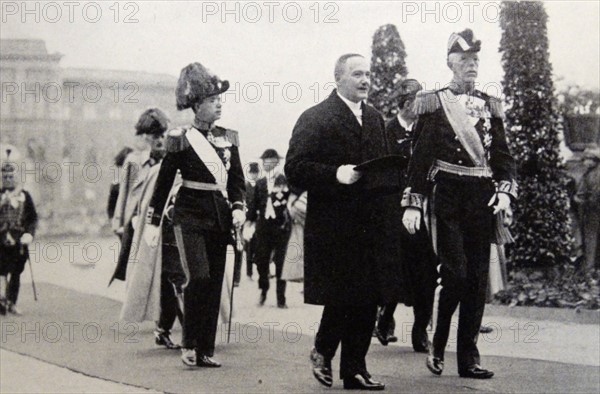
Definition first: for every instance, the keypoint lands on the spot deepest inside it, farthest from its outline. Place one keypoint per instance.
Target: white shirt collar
(405, 125)
(354, 107)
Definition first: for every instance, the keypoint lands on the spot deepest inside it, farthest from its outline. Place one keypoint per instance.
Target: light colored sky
(289, 44)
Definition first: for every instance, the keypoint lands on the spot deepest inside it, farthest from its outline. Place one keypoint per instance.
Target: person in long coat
(343, 246)
(418, 258)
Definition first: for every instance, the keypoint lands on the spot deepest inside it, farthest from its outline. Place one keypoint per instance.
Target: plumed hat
(152, 121)
(9, 156)
(197, 83)
(463, 41)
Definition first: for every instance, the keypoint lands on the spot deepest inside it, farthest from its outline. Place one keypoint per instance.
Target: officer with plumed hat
(18, 221)
(209, 204)
(462, 167)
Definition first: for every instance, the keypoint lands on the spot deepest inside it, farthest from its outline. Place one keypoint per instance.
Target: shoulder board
(230, 135)
(496, 107)
(494, 103)
(176, 140)
(427, 101)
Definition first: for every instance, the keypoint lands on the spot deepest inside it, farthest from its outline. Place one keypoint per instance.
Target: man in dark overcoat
(343, 249)
(418, 257)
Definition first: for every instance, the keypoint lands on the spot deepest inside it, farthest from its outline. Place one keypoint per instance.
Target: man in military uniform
(268, 211)
(208, 205)
(417, 254)
(18, 220)
(462, 164)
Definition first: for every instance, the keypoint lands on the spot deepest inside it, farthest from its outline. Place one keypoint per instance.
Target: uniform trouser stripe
(182, 254)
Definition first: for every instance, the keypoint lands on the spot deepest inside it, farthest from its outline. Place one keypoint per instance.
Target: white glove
(503, 202)
(347, 175)
(239, 217)
(412, 220)
(151, 233)
(26, 239)
(248, 231)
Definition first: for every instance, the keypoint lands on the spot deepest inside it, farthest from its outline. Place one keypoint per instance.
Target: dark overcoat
(350, 259)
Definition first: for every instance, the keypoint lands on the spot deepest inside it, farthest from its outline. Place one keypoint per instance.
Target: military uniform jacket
(17, 216)
(401, 142)
(437, 140)
(202, 209)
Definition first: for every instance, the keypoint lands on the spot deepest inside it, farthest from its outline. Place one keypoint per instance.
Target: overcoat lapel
(344, 115)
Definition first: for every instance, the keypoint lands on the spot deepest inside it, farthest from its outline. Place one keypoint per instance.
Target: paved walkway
(274, 342)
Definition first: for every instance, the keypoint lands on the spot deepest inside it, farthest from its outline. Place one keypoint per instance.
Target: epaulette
(233, 137)
(494, 103)
(176, 140)
(496, 107)
(427, 101)
(230, 135)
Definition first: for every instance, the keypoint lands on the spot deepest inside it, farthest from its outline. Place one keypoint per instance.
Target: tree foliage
(388, 68)
(542, 232)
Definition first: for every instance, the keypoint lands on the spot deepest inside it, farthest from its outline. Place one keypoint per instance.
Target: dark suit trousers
(169, 308)
(419, 259)
(250, 248)
(202, 296)
(271, 239)
(353, 327)
(464, 233)
(12, 261)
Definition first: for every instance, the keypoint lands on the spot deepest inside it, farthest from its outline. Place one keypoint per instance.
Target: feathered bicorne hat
(463, 41)
(9, 155)
(197, 83)
(152, 121)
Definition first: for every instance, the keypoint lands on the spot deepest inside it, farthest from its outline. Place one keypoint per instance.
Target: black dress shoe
(485, 329)
(476, 372)
(435, 365)
(383, 338)
(282, 306)
(392, 338)
(207, 362)
(321, 368)
(162, 338)
(262, 299)
(362, 382)
(423, 347)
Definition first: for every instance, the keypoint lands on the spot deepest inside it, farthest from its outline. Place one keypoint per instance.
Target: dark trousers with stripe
(352, 326)
(202, 296)
(463, 231)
